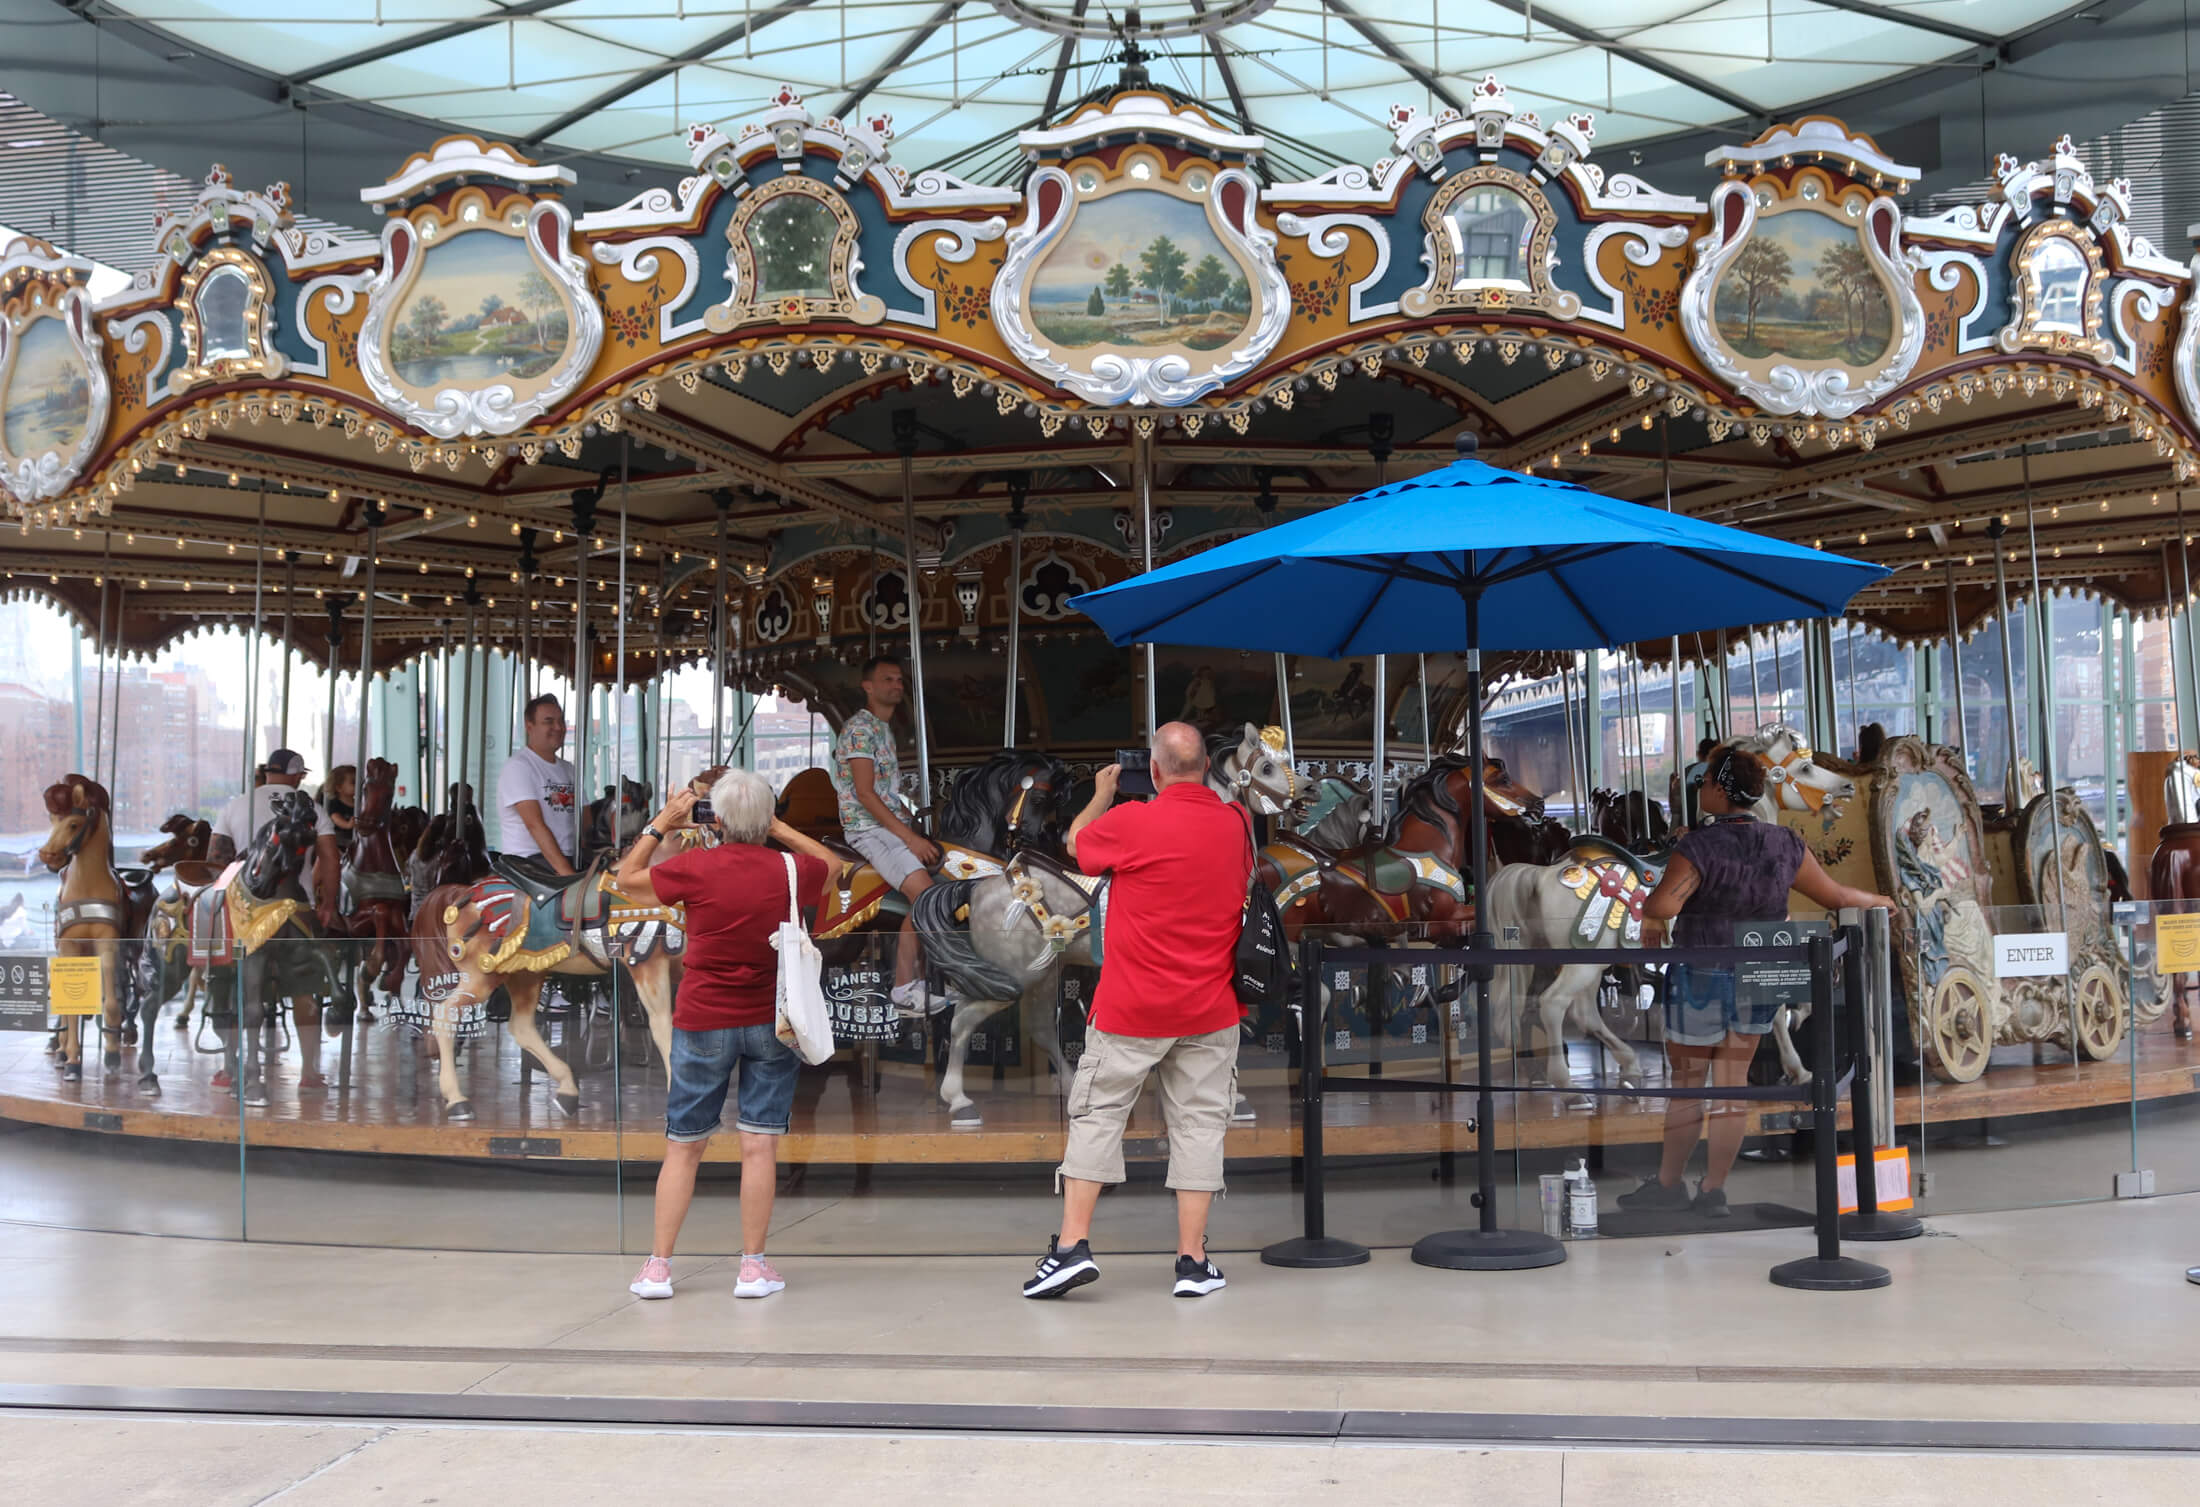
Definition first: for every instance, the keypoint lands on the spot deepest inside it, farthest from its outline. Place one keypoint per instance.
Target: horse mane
(61, 797)
(1428, 798)
(978, 801)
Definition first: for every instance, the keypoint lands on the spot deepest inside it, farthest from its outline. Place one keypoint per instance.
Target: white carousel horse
(1594, 899)
(1002, 940)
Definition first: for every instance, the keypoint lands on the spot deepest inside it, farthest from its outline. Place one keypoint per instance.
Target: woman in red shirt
(735, 895)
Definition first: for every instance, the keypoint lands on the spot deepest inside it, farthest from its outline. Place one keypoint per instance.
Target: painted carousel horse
(97, 907)
(633, 811)
(375, 888)
(451, 848)
(512, 929)
(163, 963)
(260, 941)
(1016, 801)
(1397, 885)
(2173, 874)
(1002, 939)
(1593, 898)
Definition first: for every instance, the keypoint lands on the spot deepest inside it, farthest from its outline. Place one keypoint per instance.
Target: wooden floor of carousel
(389, 1104)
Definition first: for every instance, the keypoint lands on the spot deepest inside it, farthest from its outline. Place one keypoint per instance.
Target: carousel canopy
(1317, 78)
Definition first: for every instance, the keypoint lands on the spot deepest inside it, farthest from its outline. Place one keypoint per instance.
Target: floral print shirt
(863, 736)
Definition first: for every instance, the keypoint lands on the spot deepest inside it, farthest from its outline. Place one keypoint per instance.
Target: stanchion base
(1881, 1225)
(2192, 1275)
(1488, 1250)
(1314, 1252)
(1841, 1274)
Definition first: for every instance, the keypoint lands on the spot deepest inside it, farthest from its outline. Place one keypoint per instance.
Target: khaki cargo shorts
(1198, 1076)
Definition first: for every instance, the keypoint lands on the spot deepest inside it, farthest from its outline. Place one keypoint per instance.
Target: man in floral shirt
(865, 770)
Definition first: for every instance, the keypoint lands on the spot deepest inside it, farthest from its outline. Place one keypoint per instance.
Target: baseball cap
(285, 761)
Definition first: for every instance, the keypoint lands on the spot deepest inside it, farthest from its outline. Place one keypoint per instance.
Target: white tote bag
(805, 1021)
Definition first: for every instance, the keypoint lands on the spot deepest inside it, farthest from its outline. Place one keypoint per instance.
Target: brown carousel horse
(374, 886)
(95, 909)
(451, 847)
(1408, 882)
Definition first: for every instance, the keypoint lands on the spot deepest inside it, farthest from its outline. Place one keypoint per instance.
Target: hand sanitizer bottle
(1581, 1202)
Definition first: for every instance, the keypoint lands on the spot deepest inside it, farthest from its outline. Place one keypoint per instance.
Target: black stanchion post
(1829, 1270)
(1316, 1247)
(1869, 1222)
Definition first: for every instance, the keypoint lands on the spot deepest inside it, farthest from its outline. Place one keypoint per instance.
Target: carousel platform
(389, 1106)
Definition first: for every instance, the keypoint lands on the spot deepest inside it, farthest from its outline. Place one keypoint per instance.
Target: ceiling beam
(1635, 55)
(900, 55)
(429, 38)
(1344, 12)
(634, 83)
(1916, 22)
(1062, 58)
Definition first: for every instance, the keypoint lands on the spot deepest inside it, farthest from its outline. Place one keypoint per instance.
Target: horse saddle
(861, 893)
(959, 862)
(1593, 849)
(1610, 884)
(1387, 874)
(209, 943)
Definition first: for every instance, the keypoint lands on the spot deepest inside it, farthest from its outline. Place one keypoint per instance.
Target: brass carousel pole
(1676, 799)
(449, 775)
(905, 441)
(114, 739)
(480, 781)
(465, 709)
(1996, 531)
(2044, 658)
(1962, 739)
(1019, 488)
(618, 647)
(252, 648)
(2192, 637)
(99, 690)
(1265, 502)
(584, 525)
(366, 632)
(335, 655)
(718, 633)
(290, 592)
(2175, 788)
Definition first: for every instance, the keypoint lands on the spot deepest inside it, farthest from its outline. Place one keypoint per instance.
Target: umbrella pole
(1486, 1247)
(1382, 742)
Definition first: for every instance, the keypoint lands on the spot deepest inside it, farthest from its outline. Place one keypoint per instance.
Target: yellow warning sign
(73, 984)
(2176, 944)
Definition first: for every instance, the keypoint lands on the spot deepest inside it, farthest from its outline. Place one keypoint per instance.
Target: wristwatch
(651, 832)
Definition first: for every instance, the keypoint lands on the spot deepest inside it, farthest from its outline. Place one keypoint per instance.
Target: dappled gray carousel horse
(1003, 939)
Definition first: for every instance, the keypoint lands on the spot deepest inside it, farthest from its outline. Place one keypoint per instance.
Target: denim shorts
(704, 1065)
(1701, 1008)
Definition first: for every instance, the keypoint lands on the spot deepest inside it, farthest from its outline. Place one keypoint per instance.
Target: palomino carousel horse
(1001, 939)
(261, 943)
(1593, 900)
(511, 929)
(374, 885)
(96, 908)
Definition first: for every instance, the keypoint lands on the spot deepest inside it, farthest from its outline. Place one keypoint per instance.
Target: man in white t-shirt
(234, 831)
(535, 792)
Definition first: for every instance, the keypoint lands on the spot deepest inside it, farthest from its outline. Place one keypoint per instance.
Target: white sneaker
(916, 998)
(758, 1279)
(654, 1280)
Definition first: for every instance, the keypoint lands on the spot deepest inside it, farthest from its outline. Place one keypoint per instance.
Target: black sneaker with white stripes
(1060, 1270)
(1196, 1279)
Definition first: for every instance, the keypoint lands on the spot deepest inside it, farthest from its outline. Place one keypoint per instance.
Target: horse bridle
(83, 835)
(1779, 777)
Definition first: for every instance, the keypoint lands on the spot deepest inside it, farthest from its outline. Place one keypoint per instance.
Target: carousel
(807, 405)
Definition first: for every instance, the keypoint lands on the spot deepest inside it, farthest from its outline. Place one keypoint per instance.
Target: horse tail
(948, 947)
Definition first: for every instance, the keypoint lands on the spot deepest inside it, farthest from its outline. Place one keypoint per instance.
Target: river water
(22, 874)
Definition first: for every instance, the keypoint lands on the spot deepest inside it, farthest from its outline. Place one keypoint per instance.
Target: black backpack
(1262, 967)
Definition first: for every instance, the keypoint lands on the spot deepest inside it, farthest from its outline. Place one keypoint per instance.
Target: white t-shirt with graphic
(528, 776)
(249, 811)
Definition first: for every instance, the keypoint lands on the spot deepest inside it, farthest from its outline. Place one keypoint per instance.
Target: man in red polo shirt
(1166, 1004)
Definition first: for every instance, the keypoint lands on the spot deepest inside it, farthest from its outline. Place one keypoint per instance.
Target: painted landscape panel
(480, 311)
(49, 396)
(1139, 268)
(1803, 287)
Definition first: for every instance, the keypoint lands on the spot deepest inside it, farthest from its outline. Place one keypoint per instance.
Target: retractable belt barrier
(1826, 1270)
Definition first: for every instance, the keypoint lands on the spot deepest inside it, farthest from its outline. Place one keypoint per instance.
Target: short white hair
(742, 802)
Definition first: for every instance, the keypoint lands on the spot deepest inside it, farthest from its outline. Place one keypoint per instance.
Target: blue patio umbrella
(1472, 557)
